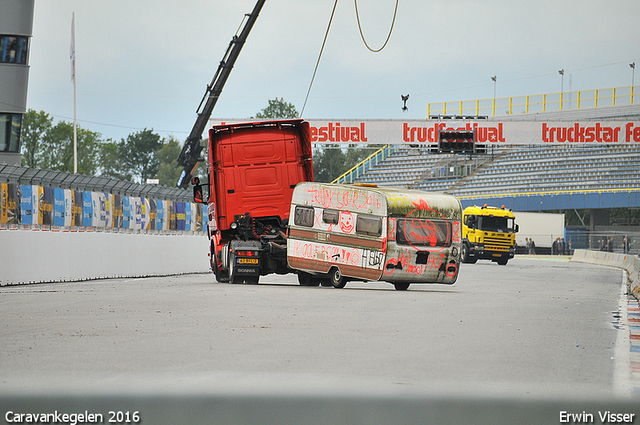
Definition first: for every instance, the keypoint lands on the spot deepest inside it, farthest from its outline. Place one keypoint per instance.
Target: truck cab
(489, 233)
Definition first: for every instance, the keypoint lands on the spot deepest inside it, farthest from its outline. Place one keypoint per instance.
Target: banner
(493, 131)
(87, 209)
(76, 209)
(10, 203)
(29, 204)
(58, 207)
(45, 206)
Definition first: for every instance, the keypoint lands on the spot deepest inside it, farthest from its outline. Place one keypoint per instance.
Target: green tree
(278, 109)
(328, 163)
(168, 170)
(331, 161)
(138, 155)
(51, 146)
(109, 161)
(35, 126)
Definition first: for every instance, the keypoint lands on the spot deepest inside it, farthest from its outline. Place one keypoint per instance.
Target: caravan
(339, 233)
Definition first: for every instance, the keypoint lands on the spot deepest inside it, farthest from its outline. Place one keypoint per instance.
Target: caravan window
(330, 216)
(423, 232)
(303, 216)
(369, 225)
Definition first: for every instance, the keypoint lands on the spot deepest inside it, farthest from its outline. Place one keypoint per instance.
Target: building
(16, 24)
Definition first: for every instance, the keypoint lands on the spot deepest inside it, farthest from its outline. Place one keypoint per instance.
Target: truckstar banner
(488, 132)
(415, 132)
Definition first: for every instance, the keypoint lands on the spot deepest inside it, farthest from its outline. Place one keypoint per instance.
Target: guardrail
(543, 193)
(371, 161)
(629, 263)
(37, 199)
(538, 103)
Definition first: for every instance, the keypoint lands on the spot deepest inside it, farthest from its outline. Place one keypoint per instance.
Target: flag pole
(72, 55)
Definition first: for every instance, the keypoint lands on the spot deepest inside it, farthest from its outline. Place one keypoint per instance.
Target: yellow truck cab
(488, 233)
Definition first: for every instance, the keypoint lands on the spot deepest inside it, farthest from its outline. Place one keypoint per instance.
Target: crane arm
(191, 150)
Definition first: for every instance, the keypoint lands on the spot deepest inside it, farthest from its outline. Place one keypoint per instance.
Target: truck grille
(497, 243)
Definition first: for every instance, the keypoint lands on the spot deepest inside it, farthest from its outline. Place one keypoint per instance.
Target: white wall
(37, 256)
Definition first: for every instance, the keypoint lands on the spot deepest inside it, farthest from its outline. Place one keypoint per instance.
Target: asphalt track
(533, 327)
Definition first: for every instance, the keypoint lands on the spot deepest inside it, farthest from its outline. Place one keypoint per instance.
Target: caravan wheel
(336, 278)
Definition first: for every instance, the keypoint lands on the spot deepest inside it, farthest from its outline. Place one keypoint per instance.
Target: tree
(51, 146)
(331, 161)
(138, 155)
(328, 163)
(278, 109)
(35, 126)
(168, 171)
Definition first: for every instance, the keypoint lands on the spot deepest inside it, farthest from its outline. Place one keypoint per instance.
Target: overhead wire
(393, 22)
(319, 56)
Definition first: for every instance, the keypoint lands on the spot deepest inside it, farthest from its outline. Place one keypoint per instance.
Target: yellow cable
(390, 29)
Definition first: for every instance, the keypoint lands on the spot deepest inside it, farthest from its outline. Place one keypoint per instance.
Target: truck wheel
(221, 276)
(336, 278)
(403, 286)
(465, 255)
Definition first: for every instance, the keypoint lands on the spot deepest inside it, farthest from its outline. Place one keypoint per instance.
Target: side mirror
(517, 228)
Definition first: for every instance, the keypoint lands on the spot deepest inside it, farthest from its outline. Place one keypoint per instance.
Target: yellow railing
(538, 103)
(551, 192)
(365, 165)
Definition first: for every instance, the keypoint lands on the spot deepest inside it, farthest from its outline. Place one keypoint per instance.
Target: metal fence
(37, 199)
(539, 103)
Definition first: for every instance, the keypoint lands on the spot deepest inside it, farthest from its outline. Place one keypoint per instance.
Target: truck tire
(336, 278)
(401, 286)
(465, 255)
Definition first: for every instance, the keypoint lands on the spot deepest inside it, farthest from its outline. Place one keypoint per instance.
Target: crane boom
(190, 154)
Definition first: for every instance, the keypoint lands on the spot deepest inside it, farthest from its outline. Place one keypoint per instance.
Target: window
(497, 224)
(423, 232)
(304, 216)
(367, 225)
(10, 125)
(13, 49)
(330, 216)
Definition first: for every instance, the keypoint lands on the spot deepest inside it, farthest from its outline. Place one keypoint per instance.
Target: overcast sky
(146, 63)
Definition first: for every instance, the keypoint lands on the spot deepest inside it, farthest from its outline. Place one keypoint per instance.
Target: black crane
(190, 154)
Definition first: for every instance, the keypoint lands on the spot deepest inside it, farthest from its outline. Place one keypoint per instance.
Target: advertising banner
(29, 204)
(188, 223)
(87, 209)
(58, 207)
(160, 215)
(10, 201)
(426, 131)
(126, 212)
(45, 202)
(487, 132)
(153, 214)
(180, 216)
(76, 209)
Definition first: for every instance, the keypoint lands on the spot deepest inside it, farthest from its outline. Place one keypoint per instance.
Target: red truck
(253, 169)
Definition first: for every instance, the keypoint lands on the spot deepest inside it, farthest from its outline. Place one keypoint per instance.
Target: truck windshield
(497, 224)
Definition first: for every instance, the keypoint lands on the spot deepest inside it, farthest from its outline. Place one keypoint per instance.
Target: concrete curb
(628, 262)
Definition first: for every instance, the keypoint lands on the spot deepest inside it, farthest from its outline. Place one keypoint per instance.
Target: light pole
(495, 81)
(561, 72)
(633, 79)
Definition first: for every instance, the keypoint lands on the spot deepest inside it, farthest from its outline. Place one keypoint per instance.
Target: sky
(146, 63)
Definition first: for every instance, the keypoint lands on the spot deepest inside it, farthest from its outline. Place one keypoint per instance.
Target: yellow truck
(488, 233)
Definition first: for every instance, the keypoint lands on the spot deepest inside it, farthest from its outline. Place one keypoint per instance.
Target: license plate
(247, 261)
(497, 255)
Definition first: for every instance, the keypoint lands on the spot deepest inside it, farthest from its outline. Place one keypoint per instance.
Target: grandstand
(591, 177)
(519, 169)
